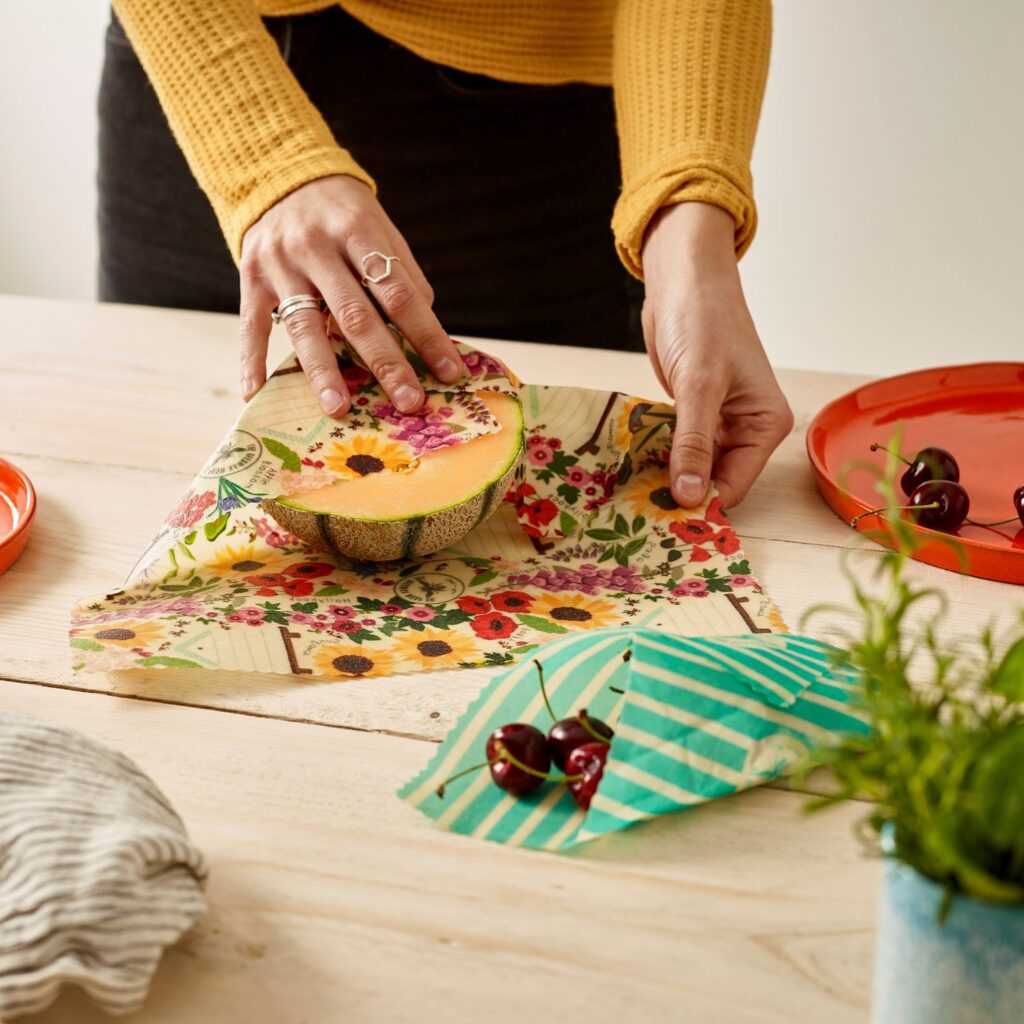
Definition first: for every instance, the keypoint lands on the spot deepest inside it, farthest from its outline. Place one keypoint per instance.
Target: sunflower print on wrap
(352, 660)
(240, 558)
(649, 494)
(436, 648)
(364, 454)
(576, 610)
(125, 633)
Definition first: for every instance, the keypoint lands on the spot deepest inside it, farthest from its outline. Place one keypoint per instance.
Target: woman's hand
(312, 241)
(730, 413)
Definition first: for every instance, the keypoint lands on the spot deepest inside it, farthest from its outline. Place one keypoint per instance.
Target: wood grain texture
(330, 899)
(333, 901)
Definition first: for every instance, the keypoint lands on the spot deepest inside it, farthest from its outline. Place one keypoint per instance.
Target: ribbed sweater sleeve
(689, 77)
(249, 132)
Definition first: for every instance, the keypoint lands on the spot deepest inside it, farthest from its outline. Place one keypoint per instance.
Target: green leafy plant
(943, 760)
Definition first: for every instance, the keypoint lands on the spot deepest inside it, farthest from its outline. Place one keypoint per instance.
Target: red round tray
(974, 411)
(17, 507)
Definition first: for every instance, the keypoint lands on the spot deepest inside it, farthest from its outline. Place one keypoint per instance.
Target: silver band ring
(384, 274)
(293, 304)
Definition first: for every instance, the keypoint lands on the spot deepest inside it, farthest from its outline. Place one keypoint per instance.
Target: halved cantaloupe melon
(388, 515)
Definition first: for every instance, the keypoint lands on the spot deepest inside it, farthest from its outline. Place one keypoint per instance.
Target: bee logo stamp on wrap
(429, 588)
(239, 451)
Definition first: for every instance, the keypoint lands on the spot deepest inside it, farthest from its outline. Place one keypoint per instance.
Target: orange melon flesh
(406, 513)
(442, 477)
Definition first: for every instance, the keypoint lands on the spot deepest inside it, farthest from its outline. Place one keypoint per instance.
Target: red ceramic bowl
(17, 508)
(977, 413)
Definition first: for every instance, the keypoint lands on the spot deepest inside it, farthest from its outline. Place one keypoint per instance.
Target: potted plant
(943, 767)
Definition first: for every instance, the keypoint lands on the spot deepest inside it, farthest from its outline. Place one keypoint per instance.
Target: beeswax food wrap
(589, 537)
(695, 718)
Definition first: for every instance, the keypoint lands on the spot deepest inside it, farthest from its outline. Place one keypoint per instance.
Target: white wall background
(889, 171)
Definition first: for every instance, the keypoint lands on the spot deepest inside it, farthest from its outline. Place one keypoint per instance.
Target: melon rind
(388, 540)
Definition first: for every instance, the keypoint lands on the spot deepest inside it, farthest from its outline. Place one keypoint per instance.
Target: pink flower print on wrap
(588, 579)
(273, 535)
(422, 432)
(540, 454)
(479, 364)
(743, 581)
(296, 483)
(420, 614)
(691, 588)
(190, 510)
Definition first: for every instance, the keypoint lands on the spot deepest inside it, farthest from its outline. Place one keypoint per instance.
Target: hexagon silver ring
(369, 278)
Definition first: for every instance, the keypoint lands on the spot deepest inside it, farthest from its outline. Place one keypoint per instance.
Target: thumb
(693, 442)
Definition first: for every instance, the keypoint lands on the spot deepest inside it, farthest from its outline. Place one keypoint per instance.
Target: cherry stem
(585, 722)
(1002, 522)
(893, 508)
(881, 447)
(544, 690)
(465, 771)
(504, 754)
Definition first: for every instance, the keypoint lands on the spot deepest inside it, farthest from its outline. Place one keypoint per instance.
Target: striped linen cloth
(695, 718)
(97, 874)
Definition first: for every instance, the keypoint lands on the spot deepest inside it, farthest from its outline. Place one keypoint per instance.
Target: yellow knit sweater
(688, 77)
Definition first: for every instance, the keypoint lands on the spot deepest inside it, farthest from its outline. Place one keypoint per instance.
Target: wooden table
(330, 900)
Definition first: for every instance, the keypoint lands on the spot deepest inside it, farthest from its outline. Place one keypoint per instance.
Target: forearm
(247, 129)
(689, 79)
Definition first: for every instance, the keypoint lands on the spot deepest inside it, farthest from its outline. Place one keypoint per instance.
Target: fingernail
(690, 488)
(331, 401)
(448, 370)
(407, 397)
(249, 387)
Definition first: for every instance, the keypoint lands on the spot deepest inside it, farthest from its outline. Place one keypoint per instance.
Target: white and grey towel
(97, 874)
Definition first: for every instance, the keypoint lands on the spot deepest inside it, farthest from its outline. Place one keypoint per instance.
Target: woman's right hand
(311, 242)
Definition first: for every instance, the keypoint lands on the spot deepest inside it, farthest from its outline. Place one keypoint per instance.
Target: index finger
(406, 306)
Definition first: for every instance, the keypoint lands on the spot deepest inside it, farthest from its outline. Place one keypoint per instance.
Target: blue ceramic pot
(968, 970)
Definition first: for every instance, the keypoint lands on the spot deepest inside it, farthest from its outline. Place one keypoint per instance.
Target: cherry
(940, 504)
(1018, 503)
(937, 504)
(568, 734)
(517, 756)
(584, 768)
(929, 463)
(520, 743)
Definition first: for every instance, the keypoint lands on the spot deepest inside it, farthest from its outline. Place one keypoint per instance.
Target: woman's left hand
(730, 412)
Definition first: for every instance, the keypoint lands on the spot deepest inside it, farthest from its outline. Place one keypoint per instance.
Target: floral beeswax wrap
(695, 718)
(588, 537)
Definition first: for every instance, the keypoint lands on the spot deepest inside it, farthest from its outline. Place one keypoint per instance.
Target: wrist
(691, 239)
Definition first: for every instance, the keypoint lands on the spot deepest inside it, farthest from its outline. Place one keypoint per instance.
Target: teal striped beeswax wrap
(696, 718)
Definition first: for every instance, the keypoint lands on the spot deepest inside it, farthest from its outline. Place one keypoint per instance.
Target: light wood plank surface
(333, 901)
(330, 899)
